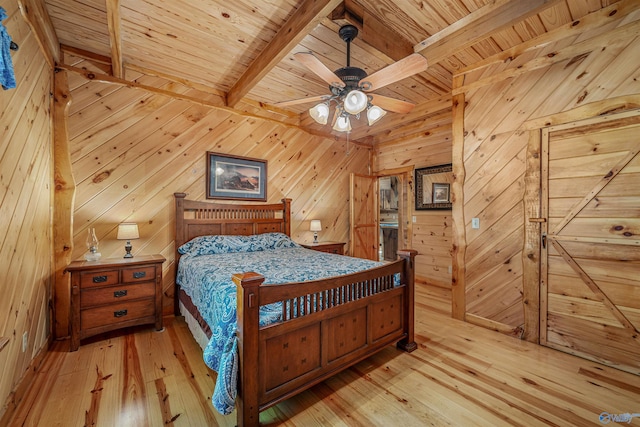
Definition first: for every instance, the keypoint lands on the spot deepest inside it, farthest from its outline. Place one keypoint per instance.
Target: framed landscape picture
(236, 178)
(433, 187)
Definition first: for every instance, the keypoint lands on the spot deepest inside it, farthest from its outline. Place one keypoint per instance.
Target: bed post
(286, 213)
(179, 198)
(248, 306)
(408, 344)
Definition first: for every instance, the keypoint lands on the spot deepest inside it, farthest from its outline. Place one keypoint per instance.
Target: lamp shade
(374, 114)
(343, 124)
(128, 231)
(316, 225)
(320, 113)
(355, 102)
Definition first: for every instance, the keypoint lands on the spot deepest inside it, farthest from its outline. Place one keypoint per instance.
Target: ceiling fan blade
(412, 64)
(391, 104)
(311, 62)
(317, 98)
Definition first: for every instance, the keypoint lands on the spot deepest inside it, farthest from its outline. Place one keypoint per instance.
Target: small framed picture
(440, 192)
(236, 178)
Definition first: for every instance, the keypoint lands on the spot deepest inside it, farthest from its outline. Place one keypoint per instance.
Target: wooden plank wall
(131, 149)
(428, 145)
(25, 201)
(595, 59)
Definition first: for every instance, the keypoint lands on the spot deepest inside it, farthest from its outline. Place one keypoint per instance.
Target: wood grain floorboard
(461, 375)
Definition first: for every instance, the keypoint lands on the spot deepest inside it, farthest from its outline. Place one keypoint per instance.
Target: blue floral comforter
(204, 273)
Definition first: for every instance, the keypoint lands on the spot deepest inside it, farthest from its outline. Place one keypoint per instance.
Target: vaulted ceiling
(241, 51)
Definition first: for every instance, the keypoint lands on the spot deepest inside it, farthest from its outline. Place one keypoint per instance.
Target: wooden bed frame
(346, 319)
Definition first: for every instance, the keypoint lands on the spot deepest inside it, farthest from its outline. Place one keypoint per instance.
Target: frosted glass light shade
(343, 124)
(355, 102)
(374, 113)
(320, 113)
(128, 231)
(316, 225)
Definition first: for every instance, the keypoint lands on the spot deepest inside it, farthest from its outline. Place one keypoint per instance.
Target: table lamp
(128, 231)
(316, 226)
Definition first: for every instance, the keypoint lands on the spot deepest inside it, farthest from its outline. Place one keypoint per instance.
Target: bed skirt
(196, 324)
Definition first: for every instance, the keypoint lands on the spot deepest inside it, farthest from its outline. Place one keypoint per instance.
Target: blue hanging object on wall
(7, 76)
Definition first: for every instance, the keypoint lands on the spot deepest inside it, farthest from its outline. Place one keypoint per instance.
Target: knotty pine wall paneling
(25, 210)
(131, 149)
(503, 93)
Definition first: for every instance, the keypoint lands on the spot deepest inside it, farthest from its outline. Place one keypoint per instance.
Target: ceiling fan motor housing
(351, 77)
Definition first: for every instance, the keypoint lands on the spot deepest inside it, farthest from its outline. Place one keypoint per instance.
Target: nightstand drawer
(115, 294)
(139, 274)
(99, 278)
(116, 313)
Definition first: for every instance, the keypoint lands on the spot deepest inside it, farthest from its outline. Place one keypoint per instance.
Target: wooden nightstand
(331, 247)
(114, 293)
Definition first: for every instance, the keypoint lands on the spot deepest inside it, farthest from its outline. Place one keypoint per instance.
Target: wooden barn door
(590, 264)
(364, 216)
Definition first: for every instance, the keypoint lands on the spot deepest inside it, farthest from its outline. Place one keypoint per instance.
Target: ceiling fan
(351, 87)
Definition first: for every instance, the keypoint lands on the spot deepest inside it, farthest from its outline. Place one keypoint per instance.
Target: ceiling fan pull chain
(348, 147)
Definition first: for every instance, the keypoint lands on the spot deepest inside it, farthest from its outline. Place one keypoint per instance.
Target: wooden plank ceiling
(241, 51)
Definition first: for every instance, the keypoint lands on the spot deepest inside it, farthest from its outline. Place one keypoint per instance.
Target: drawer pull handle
(118, 294)
(139, 274)
(99, 279)
(120, 313)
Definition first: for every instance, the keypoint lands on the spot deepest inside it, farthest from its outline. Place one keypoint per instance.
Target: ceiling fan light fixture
(374, 113)
(343, 124)
(320, 113)
(355, 102)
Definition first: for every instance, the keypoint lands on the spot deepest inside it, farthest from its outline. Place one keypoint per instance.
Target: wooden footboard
(328, 326)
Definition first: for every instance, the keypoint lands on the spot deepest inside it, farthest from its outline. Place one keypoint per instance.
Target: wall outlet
(25, 341)
(475, 222)
(414, 218)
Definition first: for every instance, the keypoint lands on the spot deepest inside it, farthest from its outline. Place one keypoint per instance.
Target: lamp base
(128, 248)
(92, 256)
(315, 237)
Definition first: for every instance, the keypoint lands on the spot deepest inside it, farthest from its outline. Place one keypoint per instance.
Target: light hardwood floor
(461, 375)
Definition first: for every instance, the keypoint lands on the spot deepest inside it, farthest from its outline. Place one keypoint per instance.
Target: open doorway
(393, 215)
(388, 186)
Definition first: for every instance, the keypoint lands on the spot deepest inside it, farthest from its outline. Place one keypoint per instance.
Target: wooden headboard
(195, 218)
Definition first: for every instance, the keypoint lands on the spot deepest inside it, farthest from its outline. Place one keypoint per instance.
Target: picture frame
(236, 178)
(440, 192)
(433, 187)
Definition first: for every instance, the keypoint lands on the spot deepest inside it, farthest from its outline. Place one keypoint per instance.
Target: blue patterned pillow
(272, 241)
(219, 244)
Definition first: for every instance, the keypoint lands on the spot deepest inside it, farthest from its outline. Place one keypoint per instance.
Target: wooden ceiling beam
(91, 56)
(34, 12)
(372, 31)
(479, 25)
(197, 86)
(115, 40)
(303, 20)
(599, 18)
